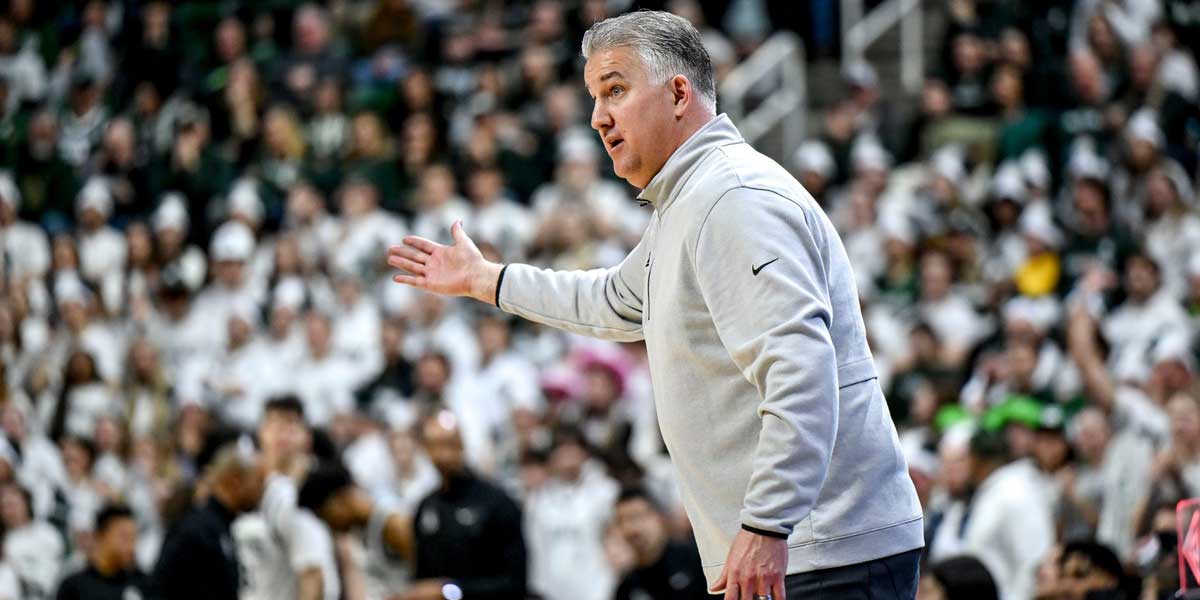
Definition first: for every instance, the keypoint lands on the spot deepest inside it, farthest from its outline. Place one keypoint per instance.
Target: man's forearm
(311, 584)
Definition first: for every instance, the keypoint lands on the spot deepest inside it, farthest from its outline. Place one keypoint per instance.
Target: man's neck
(654, 555)
(105, 565)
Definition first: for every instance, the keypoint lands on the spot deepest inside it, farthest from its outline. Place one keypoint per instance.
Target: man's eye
(616, 91)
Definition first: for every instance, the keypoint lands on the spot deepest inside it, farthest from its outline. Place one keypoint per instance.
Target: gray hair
(667, 44)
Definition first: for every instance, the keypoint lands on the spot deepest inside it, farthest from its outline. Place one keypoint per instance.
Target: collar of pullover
(662, 188)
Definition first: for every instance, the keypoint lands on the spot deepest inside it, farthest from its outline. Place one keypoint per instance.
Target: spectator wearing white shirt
(101, 248)
(36, 460)
(815, 169)
(1172, 225)
(324, 380)
(1148, 314)
(497, 219)
(84, 328)
(32, 546)
(365, 230)
(565, 522)
(26, 250)
(233, 284)
(306, 218)
(1008, 525)
(234, 380)
(244, 204)
(284, 339)
(356, 324)
(438, 204)
(285, 551)
(578, 188)
(171, 224)
(951, 316)
(486, 400)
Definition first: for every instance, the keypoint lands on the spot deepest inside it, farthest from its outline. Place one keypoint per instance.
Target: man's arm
(761, 264)
(604, 303)
(311, 585)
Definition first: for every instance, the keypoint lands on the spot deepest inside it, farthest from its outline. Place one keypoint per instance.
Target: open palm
(455, 270)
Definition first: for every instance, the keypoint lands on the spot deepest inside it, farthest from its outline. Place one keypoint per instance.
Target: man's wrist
(487, 283)
(763, 532)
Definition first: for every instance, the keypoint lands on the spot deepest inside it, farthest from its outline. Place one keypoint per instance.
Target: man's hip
(889, 578)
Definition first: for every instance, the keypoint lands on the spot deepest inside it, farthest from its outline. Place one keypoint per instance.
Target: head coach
(766, 393)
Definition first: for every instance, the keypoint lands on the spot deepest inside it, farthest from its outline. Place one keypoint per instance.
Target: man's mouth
(612, 144)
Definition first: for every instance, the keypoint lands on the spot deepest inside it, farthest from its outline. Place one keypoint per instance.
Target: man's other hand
(456, 270)
(755, 566)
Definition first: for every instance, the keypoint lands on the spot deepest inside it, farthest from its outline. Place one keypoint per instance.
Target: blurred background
(197, 196)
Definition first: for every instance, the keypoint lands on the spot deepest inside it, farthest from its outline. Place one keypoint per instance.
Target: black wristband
(774, 534)
(499, 282)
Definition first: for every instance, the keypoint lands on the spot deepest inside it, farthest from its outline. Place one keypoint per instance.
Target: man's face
(633, 115)
(641, 526)
(119, 541)
(282, 433)
(444, 446)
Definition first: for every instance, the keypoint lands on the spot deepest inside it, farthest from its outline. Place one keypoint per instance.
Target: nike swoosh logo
(755, 269)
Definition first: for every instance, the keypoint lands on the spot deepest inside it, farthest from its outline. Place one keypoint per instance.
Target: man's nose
(601, 118)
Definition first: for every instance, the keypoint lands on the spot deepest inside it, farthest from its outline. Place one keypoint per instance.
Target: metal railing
(776, 69)
(859, 31)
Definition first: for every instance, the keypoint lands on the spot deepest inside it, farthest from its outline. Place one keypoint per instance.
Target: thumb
(456, 231)
(720, 583)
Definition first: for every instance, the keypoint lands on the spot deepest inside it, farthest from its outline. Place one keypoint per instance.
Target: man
(330, 493)
(199, 559)
(284, 552)
(565, 519)
(1006, 524)
(467, 533)
(662, 568)
(788, 459)
(112, 572)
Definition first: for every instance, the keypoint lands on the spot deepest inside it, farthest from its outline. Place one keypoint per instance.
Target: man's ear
(681, 91)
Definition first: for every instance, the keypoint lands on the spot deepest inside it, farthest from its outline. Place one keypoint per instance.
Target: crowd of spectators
(196, 200)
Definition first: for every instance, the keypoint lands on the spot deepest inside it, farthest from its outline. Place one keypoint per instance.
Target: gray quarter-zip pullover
(763, 382)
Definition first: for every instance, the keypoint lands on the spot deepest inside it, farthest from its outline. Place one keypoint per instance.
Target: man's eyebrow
(611, 75)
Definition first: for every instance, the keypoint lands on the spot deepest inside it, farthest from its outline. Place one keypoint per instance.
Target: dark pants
(888, 578)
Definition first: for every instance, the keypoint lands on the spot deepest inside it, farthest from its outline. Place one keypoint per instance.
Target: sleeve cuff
(500, 282)
(773, 534)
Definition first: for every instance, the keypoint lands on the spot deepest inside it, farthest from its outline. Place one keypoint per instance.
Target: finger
(420, 243)
(778, 589)
(456, 231)
(413, 280)
(719, 585)
(731, 590)
(409, 253)
(399, 262)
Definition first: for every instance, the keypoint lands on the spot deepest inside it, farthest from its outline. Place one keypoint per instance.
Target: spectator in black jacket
(111, 572)
(199, 558)
(663, 568)
(468, 532)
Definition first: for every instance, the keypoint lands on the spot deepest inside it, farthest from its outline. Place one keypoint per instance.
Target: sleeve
(278, 505)
(508, 579)
(311, 544)
(602, 303)
(761, 261)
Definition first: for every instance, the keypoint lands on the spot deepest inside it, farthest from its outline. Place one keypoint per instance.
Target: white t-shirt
(386, 573)
(278, 541)
(10, 586)
(35, 553)
(564, 524)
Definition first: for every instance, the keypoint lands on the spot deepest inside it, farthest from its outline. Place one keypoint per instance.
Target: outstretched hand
(456, 270)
